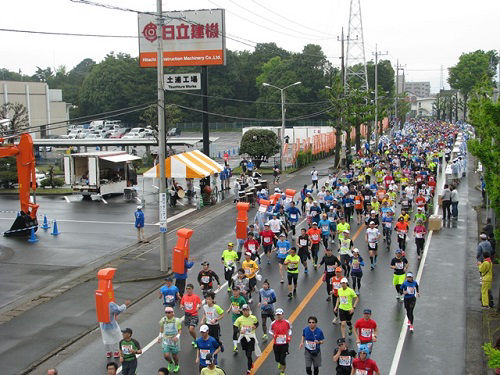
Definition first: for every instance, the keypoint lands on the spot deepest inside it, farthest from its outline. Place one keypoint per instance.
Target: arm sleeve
(273, 298)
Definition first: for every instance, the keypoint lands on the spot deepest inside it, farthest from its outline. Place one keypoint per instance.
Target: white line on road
(67, 199)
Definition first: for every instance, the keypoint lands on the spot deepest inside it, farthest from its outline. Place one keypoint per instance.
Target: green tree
(18, 116)
(259, 144)
(359, 110)
(173, 116)
(485, 117)
(43, 75)
(8, 172)
(470, 70)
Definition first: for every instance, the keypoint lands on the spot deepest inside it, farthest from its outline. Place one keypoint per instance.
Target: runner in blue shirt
(324, 224)
(410, 293)
(267, 298)
(312, 338)
(169, 293)
(206, 344)
(282, 248)
(293, 216)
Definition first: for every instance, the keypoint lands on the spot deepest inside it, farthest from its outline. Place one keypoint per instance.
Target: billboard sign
(186, 81)
(190, 38)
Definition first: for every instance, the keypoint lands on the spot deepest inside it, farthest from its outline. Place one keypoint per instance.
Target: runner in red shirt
(252, 245)
(335, 281)
(267, 237)
(358, 206)
(281, 329)
(364, 365)
(387, 180)
(191, 303)
(315, 236)
(366, 330)
(402, 231)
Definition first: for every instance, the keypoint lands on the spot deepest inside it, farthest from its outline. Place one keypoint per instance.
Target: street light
(282, 90)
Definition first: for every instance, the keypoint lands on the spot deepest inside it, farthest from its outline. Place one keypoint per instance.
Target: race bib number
(251, 247)
(410, 290)
(302, 242)
(313, 213)
(282, 250)
(345, 360)
(399, 266)
(246, 329)
(315, 237)
(235, 309)
(420, 235)
(371, 245)
(293, 216)
(366, 332)
(169, 298)
(325, 228)
(401, 235)
(310, 345)
(332, 219)
(355, 265)
(361, 372)
(204, 352)
(358, 202)
(330, 269)
(348, 204)
(388, 225)
(336, 285)
(344, 300)
(262, 208)
(267, 240)
(188, 305)
(127, 349)
(292, 266)
(248, 271)
(367, 197)
(205, 279)
(281, 339)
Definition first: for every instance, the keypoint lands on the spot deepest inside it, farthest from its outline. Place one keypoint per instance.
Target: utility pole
(377, 54)
(164, 259)
(355, 48)
(397, 92)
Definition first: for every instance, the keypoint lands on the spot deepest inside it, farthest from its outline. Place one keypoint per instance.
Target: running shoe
(290, 296)
(228, 289)
(279, 366)
(264, 337)
(235, 348)
(328, 299)
(350, 331)
(116, 354)
(170, 366)
(282, 281)
(305, 270)
(194, 344)
(109, 354)
(176, 368)
(411, 328)
(250, 300)
(295, 292)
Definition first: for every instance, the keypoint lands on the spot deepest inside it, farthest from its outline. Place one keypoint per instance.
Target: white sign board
(190, 38)
(163, 212)
(186, 81)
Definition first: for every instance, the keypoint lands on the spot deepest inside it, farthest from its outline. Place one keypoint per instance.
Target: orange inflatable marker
(290, 193)
(104, 293)
(242, 220)
(274, 198)
(263, 205)
(181, 250)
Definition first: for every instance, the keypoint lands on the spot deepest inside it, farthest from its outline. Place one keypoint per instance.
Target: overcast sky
(424, 35)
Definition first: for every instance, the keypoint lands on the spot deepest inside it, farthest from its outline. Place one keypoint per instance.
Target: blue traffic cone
(45, 224)
(33, 237)
(55, 232)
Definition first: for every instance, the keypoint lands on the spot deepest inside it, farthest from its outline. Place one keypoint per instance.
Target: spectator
(483, 247)
(486, 271)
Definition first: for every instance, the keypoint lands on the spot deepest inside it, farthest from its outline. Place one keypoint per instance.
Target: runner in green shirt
(229, 258)
(346, 303)
(129, 347)
(247, 324)
(170, 332)
(291, 262)
(237, 302)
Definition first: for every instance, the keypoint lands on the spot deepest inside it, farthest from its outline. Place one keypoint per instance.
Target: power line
(287, 19)
(67, 34)
(251, 101)
(272, 21)
(266, 27)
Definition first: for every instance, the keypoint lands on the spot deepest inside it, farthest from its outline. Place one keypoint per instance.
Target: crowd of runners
(389, 194)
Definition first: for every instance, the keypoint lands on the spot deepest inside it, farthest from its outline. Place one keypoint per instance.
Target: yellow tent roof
(192, 164)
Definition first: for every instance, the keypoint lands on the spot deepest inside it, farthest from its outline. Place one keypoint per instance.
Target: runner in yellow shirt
(250, 267)
(292, 261)
(345, 305)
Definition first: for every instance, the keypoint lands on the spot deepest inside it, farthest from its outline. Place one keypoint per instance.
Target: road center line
(298, 310)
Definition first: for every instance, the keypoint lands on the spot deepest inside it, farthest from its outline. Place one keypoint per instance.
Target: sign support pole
(204, 93)
(164, 260)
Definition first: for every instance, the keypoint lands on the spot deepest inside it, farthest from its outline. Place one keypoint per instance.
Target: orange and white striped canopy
(192, 164)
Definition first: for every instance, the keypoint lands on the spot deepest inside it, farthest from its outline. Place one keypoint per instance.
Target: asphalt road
(438, 322)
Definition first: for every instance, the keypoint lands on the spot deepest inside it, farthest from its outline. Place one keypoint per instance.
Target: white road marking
(67, 199)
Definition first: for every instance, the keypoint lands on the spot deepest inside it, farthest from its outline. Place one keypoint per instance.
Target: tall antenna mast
(355, 49)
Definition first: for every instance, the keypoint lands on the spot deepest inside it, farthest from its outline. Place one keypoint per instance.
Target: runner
(312, 338)
(341, 227)
(242, 283)
(372, 236)
(358, 206)
(267, 239)
(169, 293)
(315, 237)
(292, 267)
(346, 304)
(206, 277)
(387, 222)
(343, 356)
(302, 242)
(293, 216)
(213, 314)
(356, 263)
(334, 292)
(267, 298)
(364, 365)
(250, 268)
(402, 231)
(411, 292)
(324, 224)
(419, 231)
(169, 337)
(212, 368)
(191, 303)
(229, 259)
(251, 245)
(314, 179)
(129, 348)
(366, 330)
(206, 344)
(282, 246)
(281, 329)
(331, 262)
(247, 324)
(237, 302)
(399, 264)
(345, 252)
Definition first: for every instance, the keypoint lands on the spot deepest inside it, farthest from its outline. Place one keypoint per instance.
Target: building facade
(420, 89)
(44, 105)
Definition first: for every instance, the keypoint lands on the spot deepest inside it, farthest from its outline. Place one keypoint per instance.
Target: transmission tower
(355, 49)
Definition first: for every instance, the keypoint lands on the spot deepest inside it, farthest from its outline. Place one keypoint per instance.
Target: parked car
(93, 136)
(118, 133)
(133, 135)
